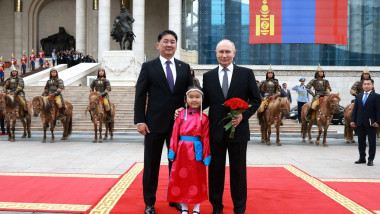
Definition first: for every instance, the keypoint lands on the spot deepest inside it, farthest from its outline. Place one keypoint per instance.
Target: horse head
(9, 101)
(47, 104)
(285, 106)
(37, 105)
(95, 102)
(333, 100)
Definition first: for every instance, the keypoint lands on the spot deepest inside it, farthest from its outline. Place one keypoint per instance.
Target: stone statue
(60, 41)
(122, 30)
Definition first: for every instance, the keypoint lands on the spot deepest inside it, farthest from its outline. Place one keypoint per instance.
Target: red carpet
(363, 191)
(271, 189)
(48, 192)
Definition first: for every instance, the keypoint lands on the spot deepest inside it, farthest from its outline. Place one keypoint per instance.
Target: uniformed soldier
(357, 88)
(15, 85)
(54, 86)
(271, 89)
(32, 58)
(322, 88)
(24, 62)
(103, 87)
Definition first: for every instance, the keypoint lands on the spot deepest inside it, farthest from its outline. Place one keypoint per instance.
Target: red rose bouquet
(236, 106)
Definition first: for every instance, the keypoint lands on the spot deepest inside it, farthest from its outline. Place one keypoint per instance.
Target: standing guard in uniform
(54, 86)
(15, 85)
(41, 56)
(24, 62)
(271, 90)
(357, 87)
(32, 59)
(322, 88)
(13, 62)
(103, 87)
(2, 69)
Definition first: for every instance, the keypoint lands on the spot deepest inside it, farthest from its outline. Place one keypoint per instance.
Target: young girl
(190, 150)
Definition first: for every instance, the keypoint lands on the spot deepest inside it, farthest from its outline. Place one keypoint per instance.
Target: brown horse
(44, 105)
(12, 107)
(348, 130)
(273, 115)
(95, 107)
(322, 117)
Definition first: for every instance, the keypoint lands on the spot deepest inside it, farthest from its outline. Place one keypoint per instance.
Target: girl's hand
(176, 113)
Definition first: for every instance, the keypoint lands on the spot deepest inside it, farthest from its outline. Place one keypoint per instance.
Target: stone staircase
(123, 98)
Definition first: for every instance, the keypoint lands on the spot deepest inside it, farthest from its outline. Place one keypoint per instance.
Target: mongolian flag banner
(298, 21)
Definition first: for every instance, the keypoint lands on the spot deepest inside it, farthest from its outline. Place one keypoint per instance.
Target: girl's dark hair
(194, 86)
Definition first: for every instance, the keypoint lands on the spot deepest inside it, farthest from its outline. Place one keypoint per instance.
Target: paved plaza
(80, 155)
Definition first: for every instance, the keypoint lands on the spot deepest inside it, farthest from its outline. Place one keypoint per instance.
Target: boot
(260, 117)
(26, 114)
(108, 116)
(308, 115)
(61, 113)
(33, 68)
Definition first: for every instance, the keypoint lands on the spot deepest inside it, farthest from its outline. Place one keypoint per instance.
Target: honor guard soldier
(357, 87)
(24, 62)
(15, 85)
(54, 87)
(322, 88)
(103, 87)
(2, 69)
(46, 64)
(13, 62)
(32, 59)
(271, 90)
(41, 56)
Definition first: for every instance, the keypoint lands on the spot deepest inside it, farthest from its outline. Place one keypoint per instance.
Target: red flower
(236, 106)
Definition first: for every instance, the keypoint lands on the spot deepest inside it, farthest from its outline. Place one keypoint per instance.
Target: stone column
(18, 29)
(104, 28)
(138, 29)
(80, 26)
(175, 22)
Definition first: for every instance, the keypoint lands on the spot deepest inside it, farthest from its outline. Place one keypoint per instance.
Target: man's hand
(352, 124)
(236, 120)
(375, 125)
(176, 113)
(143, 129)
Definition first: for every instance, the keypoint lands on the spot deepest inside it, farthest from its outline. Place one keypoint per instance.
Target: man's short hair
(166, 32)
(284, 83)
(370, 80)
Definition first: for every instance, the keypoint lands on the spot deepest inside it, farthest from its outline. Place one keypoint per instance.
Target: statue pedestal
(122, 68)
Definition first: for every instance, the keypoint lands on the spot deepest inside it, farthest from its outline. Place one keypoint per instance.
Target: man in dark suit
(220, 84)
(366, 118)
(286, 92)
(164, 81)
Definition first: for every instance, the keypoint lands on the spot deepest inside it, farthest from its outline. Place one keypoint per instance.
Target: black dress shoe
(370, 163)
(149, 210)
(217, 211)
(176, 205)
(360, 161)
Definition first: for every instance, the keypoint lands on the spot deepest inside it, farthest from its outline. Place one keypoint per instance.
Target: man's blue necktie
(365, 98)
(169, 75)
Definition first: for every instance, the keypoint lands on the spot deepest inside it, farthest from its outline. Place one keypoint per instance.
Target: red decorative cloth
(188, 178)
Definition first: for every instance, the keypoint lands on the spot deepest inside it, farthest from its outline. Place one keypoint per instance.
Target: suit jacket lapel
(161, 73)
(180, 73)
(234, 81)
(215, 79)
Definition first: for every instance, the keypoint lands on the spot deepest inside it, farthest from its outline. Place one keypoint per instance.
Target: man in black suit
(220, 84)
(366, 118)
(164, 81)
(286, 92)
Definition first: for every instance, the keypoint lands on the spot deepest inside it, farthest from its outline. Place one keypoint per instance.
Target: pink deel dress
(190, 150)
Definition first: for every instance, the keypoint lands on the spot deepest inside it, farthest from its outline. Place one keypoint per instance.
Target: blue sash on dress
(197, 145)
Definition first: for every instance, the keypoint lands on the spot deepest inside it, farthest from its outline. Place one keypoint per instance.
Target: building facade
(200, 24)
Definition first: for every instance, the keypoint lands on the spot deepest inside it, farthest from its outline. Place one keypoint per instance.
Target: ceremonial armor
(321, 86)
(270, 88)
(15, 85)
(101, 85)
(54, 86)
(357, 88)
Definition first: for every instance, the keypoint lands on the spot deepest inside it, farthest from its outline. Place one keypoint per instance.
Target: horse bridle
(96, 102)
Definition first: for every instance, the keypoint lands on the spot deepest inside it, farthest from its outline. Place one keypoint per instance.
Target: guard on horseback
(103, 87)
(15, 85)
(54, 87)
(271, 90)
(357, 87)
(322, 88)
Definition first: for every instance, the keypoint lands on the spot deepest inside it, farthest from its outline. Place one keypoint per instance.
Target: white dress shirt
(229, 74)
(172, 67)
